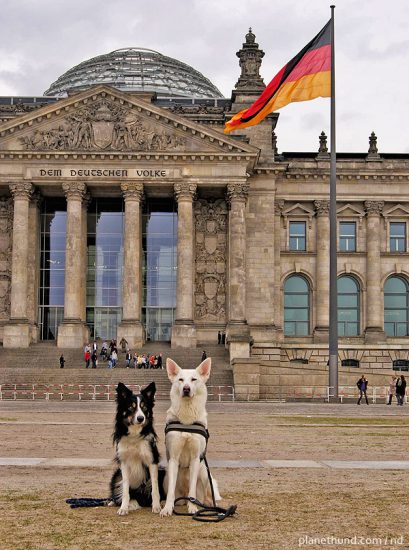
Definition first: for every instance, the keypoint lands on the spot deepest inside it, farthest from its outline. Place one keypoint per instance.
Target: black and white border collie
(136, 481)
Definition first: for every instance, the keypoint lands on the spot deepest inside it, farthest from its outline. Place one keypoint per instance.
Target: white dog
(187, 474)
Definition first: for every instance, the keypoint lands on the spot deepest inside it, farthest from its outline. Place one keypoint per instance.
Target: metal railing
(90, 392)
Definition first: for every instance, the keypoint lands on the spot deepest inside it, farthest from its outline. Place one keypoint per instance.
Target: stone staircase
(39, 366)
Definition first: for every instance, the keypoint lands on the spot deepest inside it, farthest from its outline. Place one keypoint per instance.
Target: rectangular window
(347, 237)
(397, 237)
(297, 236)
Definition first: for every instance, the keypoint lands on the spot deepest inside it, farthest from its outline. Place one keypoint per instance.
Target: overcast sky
(41, 39)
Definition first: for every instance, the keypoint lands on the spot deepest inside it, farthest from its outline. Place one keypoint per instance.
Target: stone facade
(237, 199)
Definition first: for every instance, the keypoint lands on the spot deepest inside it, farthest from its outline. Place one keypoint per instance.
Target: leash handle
(207, 513)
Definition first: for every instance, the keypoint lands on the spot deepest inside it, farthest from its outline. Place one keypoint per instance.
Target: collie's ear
(149, 391)
(122, 391)
(172, 368)
(204, 369)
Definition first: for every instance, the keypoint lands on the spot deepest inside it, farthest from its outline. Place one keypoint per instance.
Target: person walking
(114, 358)
(94, 359)
(204, 355)
(362, 386)
(160, 362)
(391, 390)
(124, 344)
(400, 389)
(62, 361)
(128, 359)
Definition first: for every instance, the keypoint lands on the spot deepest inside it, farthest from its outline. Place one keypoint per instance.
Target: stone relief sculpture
(210, 278)
(6, 227)
(103, 126)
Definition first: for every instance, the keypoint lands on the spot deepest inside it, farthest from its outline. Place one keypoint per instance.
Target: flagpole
(333, 294)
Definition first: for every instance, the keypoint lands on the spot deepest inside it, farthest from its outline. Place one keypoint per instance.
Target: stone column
(374, 308)
(131, 327)
(33, 267)
(321, 331)
(73, 332)
(17, 334)
(278, 311)
(183, 331)
(237, 328)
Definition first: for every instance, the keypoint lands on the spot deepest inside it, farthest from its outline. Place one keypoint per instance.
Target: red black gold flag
(307, 76)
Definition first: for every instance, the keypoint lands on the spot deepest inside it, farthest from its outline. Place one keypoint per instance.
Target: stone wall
(6, 228)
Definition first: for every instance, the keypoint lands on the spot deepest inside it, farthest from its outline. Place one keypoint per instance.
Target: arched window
(296, 306)
(348, 306)
(396, 306)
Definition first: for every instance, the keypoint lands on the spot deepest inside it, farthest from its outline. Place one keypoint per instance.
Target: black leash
(87, 502)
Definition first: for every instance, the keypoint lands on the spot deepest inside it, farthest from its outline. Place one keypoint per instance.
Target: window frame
(345, 308)
(293, 221)
(404, 238)
(308, 308)
(347, 237)
(406, 308)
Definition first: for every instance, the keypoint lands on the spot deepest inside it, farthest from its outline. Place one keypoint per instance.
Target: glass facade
(296, 306)
(348, 306)
(396, 307)
(105, 225)
(397, 237)
(297, 236)
(347, 237)
(159, 246)
(52, 266)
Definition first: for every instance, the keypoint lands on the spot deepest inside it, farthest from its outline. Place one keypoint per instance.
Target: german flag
(306, 76)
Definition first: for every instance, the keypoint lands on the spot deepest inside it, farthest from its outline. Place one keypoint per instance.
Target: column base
(238, 338)
(17, 334)
(133, 332)
(374, 335)
(183, 336)
(72, 334)
(321, 335)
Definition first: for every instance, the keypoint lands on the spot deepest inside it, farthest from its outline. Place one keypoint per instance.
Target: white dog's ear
(172, 368)
(204, 369)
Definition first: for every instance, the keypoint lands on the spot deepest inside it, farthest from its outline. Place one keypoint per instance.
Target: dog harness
(195, 428)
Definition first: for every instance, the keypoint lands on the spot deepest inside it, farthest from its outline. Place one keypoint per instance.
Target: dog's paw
(133, 505)
(123, 511)
(156, 509)
(166, 511)
(192, 508)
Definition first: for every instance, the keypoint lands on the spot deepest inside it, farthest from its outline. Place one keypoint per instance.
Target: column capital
(237, 192)
(322, 207)
(132, 190)
(74, 190)
(185, 190)
(374, 208)
(21, 190)
(279, 206)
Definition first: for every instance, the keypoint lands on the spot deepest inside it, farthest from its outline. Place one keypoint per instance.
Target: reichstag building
(126, 212)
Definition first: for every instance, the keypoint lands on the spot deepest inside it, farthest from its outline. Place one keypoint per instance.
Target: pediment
(397, 211)
(298, 210)
(350, 210)
(104, 119)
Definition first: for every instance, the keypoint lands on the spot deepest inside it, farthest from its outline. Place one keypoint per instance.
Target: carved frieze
(104, 125)
(6, 231)
(374, 208)
(210, 276)
(322, 207)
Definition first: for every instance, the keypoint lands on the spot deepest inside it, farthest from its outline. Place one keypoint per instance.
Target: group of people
(109, 354)
(397, 387)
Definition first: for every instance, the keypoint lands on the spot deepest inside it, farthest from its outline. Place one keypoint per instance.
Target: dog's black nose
(140, 419)
(186, 390)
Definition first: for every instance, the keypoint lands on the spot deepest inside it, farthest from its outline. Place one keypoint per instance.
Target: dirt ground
(277, 508)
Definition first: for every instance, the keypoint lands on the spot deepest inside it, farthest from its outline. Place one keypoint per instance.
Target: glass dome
(136, 69)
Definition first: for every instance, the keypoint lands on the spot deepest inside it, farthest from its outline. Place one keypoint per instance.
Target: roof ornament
(323, 148)
(250, 57)
(373, 148)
